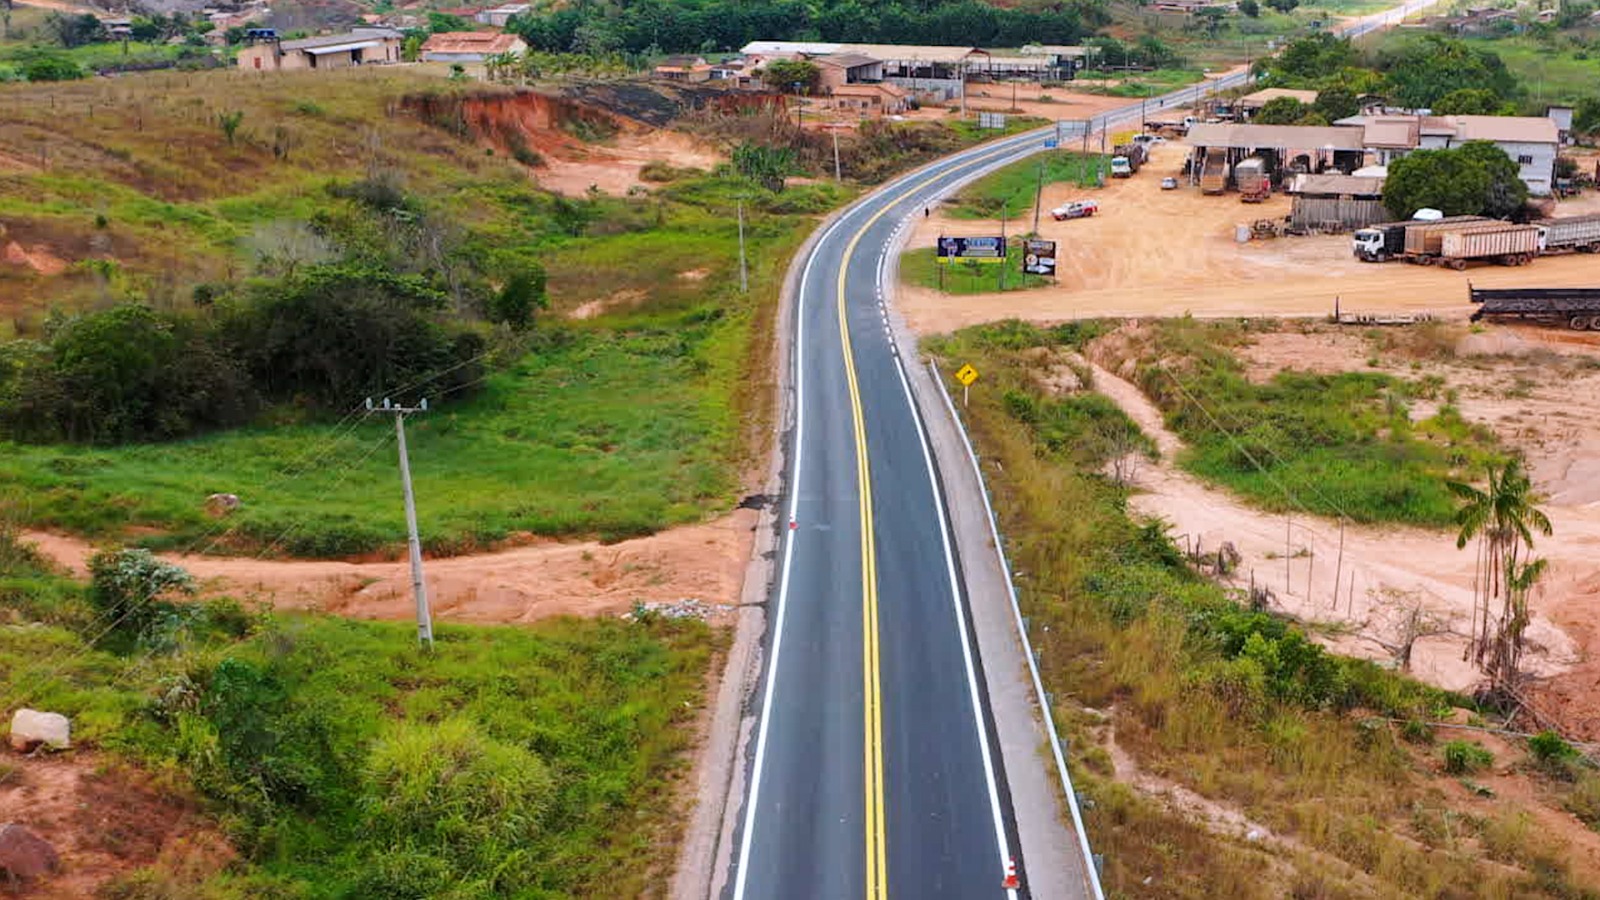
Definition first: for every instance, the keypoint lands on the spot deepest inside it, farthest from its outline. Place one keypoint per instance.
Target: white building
(1531, 142)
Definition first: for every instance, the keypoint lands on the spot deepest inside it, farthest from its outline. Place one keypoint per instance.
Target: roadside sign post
(1039, 258)
(966, 375)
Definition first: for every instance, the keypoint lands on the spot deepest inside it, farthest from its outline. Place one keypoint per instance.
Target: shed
(1334, 203)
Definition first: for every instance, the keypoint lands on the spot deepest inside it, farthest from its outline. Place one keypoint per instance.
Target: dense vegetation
(344, 761)
(1341, 444)
(1232, 703)
(1416, 73)
(1476, 178)
(677, 26)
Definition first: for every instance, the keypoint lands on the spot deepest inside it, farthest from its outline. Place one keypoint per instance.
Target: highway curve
(874, 769)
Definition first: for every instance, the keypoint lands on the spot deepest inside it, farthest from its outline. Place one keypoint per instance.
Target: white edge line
(751, 803)
(1027, 647)
(1002, 845)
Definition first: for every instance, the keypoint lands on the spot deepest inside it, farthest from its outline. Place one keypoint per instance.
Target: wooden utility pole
(837, 172)
(419, 588)
(744, 270)
(1038, 198)
(1005, 255)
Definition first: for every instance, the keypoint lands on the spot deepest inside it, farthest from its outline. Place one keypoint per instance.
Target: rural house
(684, 69)
(1532, 142)
(361, 47)
(470, 47)
(500, 15)
(839, 69)
(1250, 104)
(869, 100)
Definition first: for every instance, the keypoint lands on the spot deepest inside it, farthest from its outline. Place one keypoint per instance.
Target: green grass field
(1334, 444)
(1236, 705)
(342, 760)
(921, 267)
(1013, 187)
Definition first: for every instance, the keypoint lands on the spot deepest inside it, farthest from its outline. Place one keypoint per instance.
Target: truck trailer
(1578, 308)
(1250, 175)
(1504, 243)
(1387, 240)
(1572, 234)
(1424, 240)
(1214, 171)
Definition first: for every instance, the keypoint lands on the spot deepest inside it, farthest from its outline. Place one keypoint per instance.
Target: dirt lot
(1532, 390)
(571, 167)
(523, 584)
(1154, 252)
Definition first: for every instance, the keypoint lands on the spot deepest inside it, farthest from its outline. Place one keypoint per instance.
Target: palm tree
(1503, 518)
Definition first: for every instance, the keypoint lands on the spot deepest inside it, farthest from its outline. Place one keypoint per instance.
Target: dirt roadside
(1150, 252)
(1508, 379)
(524, 584)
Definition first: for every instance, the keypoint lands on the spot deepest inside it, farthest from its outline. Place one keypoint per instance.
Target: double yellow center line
(872, 689)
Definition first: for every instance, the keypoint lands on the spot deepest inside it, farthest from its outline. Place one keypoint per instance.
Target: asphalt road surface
(875, 770)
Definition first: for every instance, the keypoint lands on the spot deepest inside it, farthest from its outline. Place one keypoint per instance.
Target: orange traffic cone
(1011, 883)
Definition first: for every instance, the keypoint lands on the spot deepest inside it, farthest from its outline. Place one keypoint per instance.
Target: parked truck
(1570, 235)
(1214, 171)
(1386, 241)
(1128, 159)
(1578, 308)
(1501, 242)
(1253, 180)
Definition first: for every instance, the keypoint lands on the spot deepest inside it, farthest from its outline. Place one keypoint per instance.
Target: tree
(1437, 179)
(1506, 191)
(1210, 18)
(1335, 103)
(1503, 518)
(1281, 111)
(50, 67)
(1469, 102)
(785, 74)
(1250, 8)
(769, 166)
(1283, 6)
(75, 31)
(229, 122)
(439, 23)
(1586, 116)
(1308, 59)
(132, 590)
(1428, 68)
(515, 302)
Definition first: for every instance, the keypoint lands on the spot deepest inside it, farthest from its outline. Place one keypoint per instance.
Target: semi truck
(1250, 175)
(1570, 235)
(1425, 239)
(1499, 242)
(1386, 241)
(1578, 308)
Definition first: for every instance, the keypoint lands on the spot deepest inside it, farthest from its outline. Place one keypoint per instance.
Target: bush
(1549, 749)
(130, 591)
(1465, 757)
(50, 67)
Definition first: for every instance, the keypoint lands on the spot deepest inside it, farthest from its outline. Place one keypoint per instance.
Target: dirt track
(1151, 252)
(704, 562)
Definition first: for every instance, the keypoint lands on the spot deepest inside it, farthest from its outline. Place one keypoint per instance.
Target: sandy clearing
(704, 562)
(1151, 252)
(614, 167)
(1385, 571)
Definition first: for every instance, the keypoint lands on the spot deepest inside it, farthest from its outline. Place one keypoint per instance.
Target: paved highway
(875, 770)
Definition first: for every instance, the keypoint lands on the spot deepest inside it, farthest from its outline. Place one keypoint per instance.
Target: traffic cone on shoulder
(1011, 883)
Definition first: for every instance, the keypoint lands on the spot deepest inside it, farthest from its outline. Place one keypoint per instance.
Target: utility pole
(1005, 252)
(744, 271)
(838, 175)
(1038, 198)
(419, 588)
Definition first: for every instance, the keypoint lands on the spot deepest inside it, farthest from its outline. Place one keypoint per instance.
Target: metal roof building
(1283, 137)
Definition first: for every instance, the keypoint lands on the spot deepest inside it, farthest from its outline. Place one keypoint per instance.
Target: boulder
(31, 729)
(24, 856)
(222, 504)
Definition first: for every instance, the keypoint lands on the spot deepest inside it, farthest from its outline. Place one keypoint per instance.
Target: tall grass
(1235, 705)
(342, 760)
(1013, 187)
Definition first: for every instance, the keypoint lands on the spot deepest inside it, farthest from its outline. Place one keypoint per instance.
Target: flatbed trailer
(1577, 308)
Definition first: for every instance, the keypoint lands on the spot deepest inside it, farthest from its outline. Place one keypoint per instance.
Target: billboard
(1039, 258)
(977, 249)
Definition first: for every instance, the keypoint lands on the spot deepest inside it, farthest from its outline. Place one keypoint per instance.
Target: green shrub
(132, 589)
(1548, 747)
(1465, 757)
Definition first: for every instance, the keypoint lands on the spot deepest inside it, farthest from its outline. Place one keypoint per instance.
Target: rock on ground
(24, 856)
(31, 728)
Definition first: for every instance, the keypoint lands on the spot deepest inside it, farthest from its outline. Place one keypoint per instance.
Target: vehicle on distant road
(1169, 184)
(1077, 209)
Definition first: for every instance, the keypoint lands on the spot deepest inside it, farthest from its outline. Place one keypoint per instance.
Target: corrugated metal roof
(1288, 137)
(1391, 133)
(1263, 97)
(846, 60)
(1508, 129)
(913, 52)
(332, 40)
(341, 48)
(768, 48)
(1336, 184)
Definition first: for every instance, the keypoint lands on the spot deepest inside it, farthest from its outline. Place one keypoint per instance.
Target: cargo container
(1503, 243)
(1423, 238)
(1214, 171)
(1570, 235)
(1251, 177)
(1387, 240)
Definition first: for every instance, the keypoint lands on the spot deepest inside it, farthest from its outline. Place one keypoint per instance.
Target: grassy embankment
(617, 425)
(1135, 84)
(1340, 444)
(1563, 69)
(1235, 705)
(1010, 189)
(341, 760)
